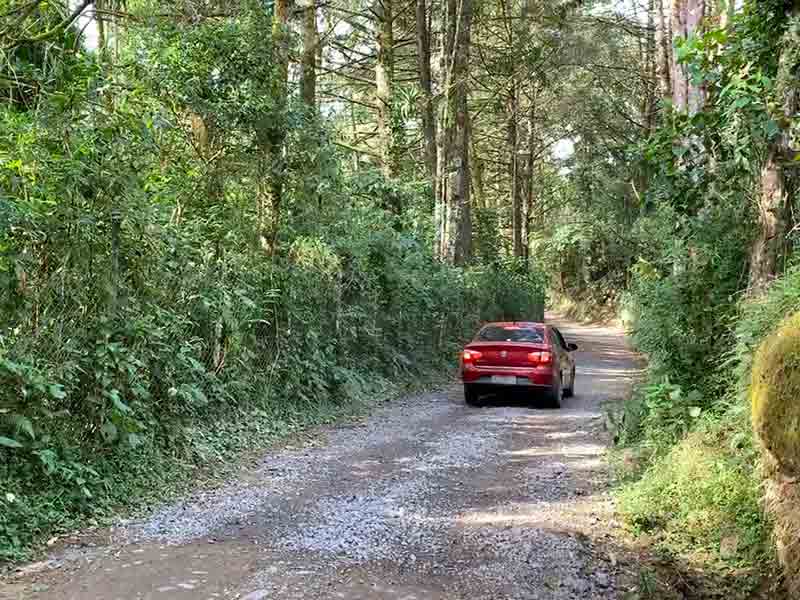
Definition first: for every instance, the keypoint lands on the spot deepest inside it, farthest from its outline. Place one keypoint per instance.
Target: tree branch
(45, 35)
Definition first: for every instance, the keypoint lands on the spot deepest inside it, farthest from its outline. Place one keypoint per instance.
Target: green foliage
(145, 329)
(588, 260)
(683, 293)
(487, 241)
(659, 414)
(700, 492)
(756, 320)
(693, 239)
(507, 290)
(700, 480)
(700, 487)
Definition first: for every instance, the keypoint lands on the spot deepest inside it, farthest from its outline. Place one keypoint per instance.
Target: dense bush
(684, 288)
(698, 493)
(728, 499)
(587, 260)
(700, 476)
(324, 324)
(697, 485)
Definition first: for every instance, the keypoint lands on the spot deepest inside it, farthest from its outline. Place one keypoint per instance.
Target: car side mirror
(572, 347)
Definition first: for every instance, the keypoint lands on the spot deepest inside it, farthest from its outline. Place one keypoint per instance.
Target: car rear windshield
(510, 333)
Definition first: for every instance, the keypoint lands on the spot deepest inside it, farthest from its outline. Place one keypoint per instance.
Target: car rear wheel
(470, 394)
(555, 395)
(570, 391)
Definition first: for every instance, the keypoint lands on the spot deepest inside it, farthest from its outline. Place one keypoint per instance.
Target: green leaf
(113, 395)
(56, 390)
(694, 411)
(772, 128)
(134, 440)
(741, 102)
(9, 443)
(679, 150)
(109, 431)
(23, 424)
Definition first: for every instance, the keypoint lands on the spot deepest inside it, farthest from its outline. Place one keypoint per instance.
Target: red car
(524, 355)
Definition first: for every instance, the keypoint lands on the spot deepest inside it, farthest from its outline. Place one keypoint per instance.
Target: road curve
(426, 498)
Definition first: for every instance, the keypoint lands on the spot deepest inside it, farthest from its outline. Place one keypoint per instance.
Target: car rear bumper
(520, 382)
(532, 377)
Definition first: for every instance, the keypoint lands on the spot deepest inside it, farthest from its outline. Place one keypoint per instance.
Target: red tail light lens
(540, 358)
(471, 356)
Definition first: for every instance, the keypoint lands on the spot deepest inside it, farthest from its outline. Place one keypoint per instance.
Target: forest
(227, 220)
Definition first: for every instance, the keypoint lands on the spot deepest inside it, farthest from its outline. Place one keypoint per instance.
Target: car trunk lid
(506, 354)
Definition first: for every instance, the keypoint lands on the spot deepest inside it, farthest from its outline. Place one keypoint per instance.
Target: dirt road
(426, 499)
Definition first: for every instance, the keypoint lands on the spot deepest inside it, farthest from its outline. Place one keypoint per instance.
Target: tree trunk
(308, 84)
(477, 170)
(513, 170)
(116, 226)
(654, 86)
(102, 38)
(440, 200)
(280, 37)
(463, 244)
(455, 188)
(529, 195)
(384, 81)
(774, 197)
(678, 75)
(272, 134)
(428, 117)
(696, 94)
(664, 51)
(772, 223)
(649, 75)
(440, 212)
(687, 16)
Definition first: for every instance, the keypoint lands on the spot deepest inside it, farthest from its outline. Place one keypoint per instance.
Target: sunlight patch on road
(576, 450)
(562, 515)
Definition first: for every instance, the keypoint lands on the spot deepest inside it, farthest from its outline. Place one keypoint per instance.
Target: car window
(560, 338)
(510, 333)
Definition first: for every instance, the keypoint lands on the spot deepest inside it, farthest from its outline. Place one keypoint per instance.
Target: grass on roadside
(697, 503)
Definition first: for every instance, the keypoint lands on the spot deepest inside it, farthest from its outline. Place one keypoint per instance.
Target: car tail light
(540, 358)
(470, 356)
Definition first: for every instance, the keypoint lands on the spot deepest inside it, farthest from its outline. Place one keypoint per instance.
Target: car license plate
(504, 379)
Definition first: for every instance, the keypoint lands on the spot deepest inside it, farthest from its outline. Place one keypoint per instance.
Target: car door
(565, 359)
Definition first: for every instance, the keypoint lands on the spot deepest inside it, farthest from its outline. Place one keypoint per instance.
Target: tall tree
(664, 50)
(512, 131)
(308, 85)
(512, 117)
(425, 83)
(687, 16)
(530, 167)
(272, 135)
(384, 85)
(774, 195)
(454, 192)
